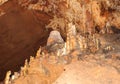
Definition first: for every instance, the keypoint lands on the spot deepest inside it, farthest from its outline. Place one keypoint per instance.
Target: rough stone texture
(54, 37)
(54, 42)
(22, 30)
(84, 68)
(88, 73)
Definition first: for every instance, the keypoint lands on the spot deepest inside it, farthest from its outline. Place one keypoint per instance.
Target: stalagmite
(64, 50)
(71, 29)
(38, 53)
(16, 75)
(108, 28)
(109, 48)
(21, 71)
(71, 37)
(24, 70)
(58, 53)
(68, 44)
(94, 38)
(98, 44)
(26, 63)
(84, 18)
(43, 54)
(82, 42)
(7, 78)
(31, 59)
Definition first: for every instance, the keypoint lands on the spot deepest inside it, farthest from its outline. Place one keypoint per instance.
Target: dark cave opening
(20, 37)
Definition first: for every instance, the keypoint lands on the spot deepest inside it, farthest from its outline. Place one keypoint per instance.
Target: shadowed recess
(21, 34)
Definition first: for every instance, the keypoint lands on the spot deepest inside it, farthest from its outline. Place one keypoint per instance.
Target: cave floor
(100, 67)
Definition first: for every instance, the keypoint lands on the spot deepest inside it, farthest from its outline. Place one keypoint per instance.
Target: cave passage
(20, 37)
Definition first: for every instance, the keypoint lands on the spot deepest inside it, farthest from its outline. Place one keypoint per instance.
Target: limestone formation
(3, 1)
(81, 23)
(38, 53)
(55, 41)
(71, 30)
(54, 37)
(7, 78)
(24, 69)
(16, 75)
(31, 58)
(43, 69)
(71, 42)
(109, 48)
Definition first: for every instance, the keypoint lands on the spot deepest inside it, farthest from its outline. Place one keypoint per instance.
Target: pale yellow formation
(35, 7)
(38, 53)
(7, 78)
(3, 1)
(24, 69)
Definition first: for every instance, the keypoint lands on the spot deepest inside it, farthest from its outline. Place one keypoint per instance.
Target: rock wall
(86, 15)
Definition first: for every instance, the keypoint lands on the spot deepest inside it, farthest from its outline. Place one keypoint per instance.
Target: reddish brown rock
(21, 34)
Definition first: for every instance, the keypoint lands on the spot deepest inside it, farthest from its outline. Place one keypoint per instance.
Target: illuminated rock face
(3, 1)
(22, 29)
(88, 73)
(54, 42)
(54, 37)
